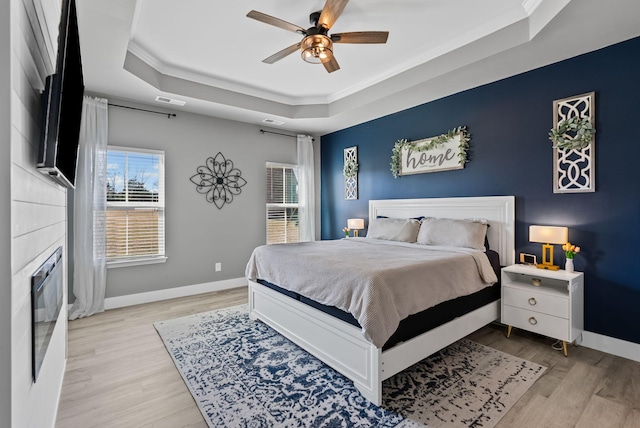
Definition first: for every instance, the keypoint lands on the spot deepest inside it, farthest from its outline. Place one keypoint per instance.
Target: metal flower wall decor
(218, 180)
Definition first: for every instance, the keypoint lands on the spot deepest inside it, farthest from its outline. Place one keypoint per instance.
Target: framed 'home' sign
(442, 153)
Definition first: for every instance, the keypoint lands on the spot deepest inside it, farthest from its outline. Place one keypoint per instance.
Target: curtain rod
(262, 131)
(169, 115)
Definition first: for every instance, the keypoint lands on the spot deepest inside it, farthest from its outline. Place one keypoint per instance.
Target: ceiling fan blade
(331, 12)
(272, 20)
(361, 37)
(332, 65)
(283, 53)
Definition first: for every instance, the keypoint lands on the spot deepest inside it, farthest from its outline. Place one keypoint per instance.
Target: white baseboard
(611, 345)
(171, 293)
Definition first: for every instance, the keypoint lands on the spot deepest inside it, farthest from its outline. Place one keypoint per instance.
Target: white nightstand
(543, 301)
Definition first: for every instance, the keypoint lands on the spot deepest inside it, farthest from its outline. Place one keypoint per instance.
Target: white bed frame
(342, 346)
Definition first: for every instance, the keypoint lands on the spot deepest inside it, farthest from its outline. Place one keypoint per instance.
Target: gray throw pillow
(394, 229)
(453, 233)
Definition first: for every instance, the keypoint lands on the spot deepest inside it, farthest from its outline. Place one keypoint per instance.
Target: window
(282, 204)
(135, 206)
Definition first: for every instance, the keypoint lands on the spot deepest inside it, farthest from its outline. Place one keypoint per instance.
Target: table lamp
(548, 235)
(355, 224)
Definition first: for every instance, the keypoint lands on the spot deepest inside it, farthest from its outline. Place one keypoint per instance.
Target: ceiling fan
(316, 46)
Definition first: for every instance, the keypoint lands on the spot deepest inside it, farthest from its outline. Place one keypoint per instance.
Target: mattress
(420, 322)
(379, 281)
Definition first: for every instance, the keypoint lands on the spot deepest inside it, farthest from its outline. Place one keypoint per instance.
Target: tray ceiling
(209, 53)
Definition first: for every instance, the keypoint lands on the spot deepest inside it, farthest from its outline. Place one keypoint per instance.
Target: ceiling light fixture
(317, 48)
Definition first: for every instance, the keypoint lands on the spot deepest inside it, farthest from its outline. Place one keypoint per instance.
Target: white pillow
(452, 233)
(394, 229)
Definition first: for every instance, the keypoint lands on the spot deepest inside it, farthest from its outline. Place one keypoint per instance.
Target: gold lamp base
(547, 267)
(547, 258)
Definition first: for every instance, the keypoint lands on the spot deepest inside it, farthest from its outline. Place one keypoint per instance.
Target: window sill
(136, 262)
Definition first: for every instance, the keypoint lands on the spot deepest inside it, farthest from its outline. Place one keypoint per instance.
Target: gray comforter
(379, 282)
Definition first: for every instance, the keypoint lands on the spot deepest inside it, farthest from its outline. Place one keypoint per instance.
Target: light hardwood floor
(119, 374)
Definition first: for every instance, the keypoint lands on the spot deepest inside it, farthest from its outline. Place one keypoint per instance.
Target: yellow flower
(570, 250)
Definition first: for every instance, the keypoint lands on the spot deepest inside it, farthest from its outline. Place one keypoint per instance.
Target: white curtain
(306, 189)
(89, 215)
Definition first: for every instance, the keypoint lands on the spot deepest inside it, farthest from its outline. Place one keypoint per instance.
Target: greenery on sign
(572, 133)
(434, 143)
(350, 169)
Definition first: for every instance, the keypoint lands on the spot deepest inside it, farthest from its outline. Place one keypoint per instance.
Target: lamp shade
(355, 223)
(548, 234)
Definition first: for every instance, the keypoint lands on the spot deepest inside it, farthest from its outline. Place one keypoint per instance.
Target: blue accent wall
(510, 154)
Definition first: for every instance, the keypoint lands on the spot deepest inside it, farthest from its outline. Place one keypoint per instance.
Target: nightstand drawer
(536, 322)
(536, 301)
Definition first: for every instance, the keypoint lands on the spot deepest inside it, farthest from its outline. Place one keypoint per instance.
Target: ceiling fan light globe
(317, 49)
(325, 55)
(309, 56)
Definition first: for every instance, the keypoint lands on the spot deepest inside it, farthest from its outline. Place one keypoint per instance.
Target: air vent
(273, 122)
(171, 101)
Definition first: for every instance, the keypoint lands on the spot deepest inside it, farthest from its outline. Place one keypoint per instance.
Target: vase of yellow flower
(570, 252)
(346, 231)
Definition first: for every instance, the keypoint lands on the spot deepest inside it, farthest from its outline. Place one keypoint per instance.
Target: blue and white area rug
(242, 373)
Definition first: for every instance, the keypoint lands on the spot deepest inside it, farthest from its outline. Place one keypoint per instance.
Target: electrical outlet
(218, 267)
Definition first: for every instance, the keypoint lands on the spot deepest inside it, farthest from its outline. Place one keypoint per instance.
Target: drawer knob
(532, 301)
(533, 321)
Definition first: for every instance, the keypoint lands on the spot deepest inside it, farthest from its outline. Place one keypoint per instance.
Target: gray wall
(198, 234)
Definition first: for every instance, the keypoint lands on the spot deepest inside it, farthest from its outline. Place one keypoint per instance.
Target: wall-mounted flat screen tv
(62, 104)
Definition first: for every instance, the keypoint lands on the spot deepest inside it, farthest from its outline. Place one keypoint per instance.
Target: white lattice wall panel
(574, 169)
(351, 183)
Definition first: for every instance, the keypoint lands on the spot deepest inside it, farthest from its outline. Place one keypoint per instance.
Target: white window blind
(283, 225)
(135, 204)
